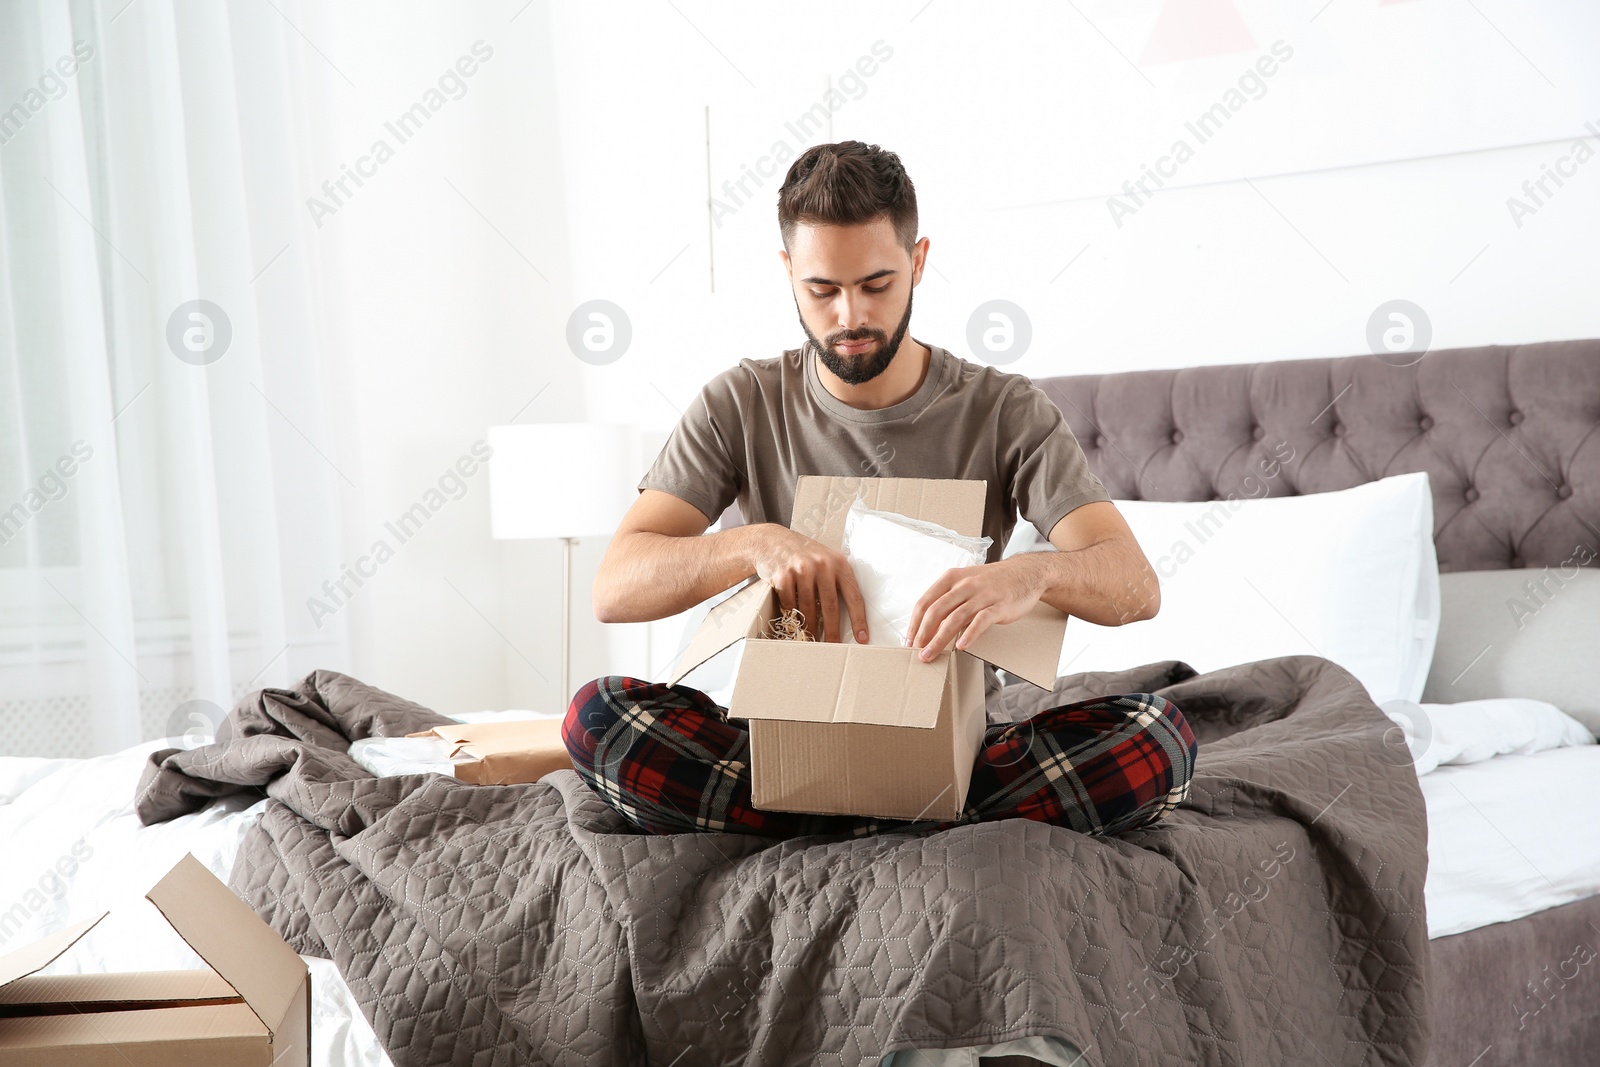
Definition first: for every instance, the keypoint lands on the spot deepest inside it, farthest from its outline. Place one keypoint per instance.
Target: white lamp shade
(561, 479)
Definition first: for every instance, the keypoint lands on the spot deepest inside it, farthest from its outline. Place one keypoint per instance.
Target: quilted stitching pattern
(1275, 917)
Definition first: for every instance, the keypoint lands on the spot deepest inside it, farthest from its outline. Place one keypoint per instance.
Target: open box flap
(486, 738)
(232, 939)
(1029, 648)
(821, 504)
(814, 681)
(117, 991)
(43, 952)
(741, 615)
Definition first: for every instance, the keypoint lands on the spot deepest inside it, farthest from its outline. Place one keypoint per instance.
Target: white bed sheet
(1507, 837)
(78, 814)
(1511, 836)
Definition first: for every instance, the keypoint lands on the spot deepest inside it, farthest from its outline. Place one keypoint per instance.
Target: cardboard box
(252, 1006)
(845, 729)
(505, 752)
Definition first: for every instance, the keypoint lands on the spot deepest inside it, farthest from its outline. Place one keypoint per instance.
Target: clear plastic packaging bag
(896, 558)
(389, 756)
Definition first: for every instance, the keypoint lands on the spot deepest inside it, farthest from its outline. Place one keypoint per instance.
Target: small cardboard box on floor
(252, 1006)
(846, 729)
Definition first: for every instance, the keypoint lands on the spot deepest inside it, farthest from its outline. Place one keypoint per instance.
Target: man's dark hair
(847, 184)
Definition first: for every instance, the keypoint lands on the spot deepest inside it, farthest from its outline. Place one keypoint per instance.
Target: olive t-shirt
(755, 428)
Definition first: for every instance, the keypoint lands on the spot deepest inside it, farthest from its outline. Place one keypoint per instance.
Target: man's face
(852, 287)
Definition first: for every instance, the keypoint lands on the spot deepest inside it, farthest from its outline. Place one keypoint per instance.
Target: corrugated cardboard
(867, 729)
(251, 1007)
(505, 752)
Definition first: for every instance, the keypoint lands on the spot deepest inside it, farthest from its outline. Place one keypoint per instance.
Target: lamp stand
(566, 620)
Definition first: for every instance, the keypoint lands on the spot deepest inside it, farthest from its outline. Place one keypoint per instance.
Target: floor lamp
(565, 481)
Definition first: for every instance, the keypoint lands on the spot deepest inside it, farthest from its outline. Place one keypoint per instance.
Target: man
(863, 397)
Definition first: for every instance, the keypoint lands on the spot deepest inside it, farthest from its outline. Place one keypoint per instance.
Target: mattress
(1508, 837)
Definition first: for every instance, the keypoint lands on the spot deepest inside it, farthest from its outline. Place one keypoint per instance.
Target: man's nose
(852, 313)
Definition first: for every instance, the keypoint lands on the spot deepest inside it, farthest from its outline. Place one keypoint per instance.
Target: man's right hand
(809, 575)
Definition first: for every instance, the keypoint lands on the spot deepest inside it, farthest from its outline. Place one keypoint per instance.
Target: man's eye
(868, 288)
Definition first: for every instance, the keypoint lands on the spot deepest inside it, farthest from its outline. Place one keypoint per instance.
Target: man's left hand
(966, 601)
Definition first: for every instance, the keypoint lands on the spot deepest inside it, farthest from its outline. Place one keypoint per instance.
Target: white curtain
(167, 492)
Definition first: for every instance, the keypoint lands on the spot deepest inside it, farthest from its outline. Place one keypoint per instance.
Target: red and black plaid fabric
(667, 758)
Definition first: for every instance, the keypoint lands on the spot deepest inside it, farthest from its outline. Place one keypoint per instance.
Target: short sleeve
(697, 464)
(1053, 476)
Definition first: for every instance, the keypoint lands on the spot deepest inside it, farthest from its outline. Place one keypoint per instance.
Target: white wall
(440, 326)
(584, 140)
(1288, 267)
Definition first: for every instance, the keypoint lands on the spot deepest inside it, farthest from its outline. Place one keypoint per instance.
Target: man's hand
(814, 578)
(966, 601)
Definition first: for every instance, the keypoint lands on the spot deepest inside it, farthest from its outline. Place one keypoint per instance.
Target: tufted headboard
(1509, 436)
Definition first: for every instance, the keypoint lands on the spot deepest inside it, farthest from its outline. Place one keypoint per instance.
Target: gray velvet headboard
(1509, 436)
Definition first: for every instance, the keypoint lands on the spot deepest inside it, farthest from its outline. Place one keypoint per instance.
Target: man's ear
(783, 257)
(919, 260)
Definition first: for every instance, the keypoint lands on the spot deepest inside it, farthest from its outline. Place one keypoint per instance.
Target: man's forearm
(649, 576)
(1108, 583)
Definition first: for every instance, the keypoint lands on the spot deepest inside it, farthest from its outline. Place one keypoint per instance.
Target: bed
(1512, 874)
(1510, 438)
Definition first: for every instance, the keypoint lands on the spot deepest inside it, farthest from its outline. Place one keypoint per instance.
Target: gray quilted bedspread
(1276, 918)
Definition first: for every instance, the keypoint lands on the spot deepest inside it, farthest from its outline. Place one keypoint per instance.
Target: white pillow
(1348, 575)
(1475, 730)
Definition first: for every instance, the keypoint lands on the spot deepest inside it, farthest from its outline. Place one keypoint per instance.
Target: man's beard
(861, 367)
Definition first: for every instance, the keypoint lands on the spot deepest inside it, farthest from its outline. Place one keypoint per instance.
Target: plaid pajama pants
(667, 758)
